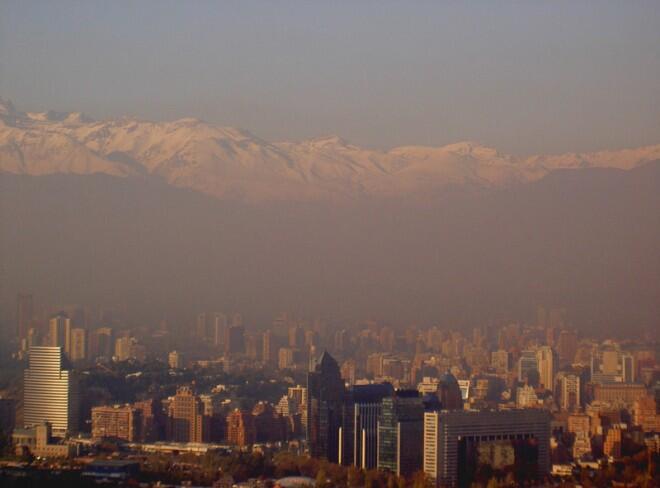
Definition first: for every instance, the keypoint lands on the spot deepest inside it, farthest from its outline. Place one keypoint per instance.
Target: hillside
(584, 239)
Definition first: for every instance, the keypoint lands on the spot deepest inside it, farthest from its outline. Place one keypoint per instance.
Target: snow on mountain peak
(227, 162)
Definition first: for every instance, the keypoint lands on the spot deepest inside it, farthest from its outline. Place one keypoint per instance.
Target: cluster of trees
(329, 475)
(5, 444)
(127, 381)
(642, 470)
(241, 466)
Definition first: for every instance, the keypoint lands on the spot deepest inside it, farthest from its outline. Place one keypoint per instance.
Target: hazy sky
(521, 76)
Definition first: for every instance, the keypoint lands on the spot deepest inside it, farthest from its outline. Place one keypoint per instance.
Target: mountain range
(231, 163)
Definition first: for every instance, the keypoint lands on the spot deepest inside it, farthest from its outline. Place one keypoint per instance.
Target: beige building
(78, 342)
(619, 392)
(38, 441)
(186, 417)
(117, 421)
(175, 360)
(645, 414)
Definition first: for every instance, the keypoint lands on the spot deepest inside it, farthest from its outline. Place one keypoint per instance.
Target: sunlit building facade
(50, 391)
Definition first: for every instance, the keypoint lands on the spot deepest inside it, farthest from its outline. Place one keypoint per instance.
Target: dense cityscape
(220, 402)
(374, 244)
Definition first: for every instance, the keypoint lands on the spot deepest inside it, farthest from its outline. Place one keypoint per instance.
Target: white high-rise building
(570, 392)
(50, 391)
(431, 447)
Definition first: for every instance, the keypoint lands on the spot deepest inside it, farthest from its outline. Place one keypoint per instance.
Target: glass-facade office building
(400, 429)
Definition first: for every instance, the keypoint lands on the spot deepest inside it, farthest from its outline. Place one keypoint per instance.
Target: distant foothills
(233, 164)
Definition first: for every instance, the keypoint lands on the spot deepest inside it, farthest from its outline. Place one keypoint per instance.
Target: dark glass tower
(325, 390)
(400, 433)
(359, 433)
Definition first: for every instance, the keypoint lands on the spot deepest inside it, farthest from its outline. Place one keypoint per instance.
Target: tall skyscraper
(241, 430)
(296, 337)
(286, 357)
(201, 327)
(359, 431)
(235, 340)
(59, 332)
(526, 365)
(400, 430)
(50, 391)
(547, 365)
(269, 350)
(219, 328)
(570, 392)
(627, 368)
(325, 390)
(24, 314)
(253, 346)
(449, 392)
(78, 344)
(567, 346)
(102, 342)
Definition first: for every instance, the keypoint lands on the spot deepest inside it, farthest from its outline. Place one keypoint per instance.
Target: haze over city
(292, 244)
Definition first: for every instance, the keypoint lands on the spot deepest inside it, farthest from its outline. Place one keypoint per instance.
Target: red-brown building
(241, 430)
(645, 414)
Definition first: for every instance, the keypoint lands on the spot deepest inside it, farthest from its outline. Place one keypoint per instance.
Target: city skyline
(369, 244)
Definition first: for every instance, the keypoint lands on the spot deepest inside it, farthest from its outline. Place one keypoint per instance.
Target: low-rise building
(38, 440)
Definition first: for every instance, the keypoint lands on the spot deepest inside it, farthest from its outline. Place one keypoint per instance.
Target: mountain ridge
(232, 163)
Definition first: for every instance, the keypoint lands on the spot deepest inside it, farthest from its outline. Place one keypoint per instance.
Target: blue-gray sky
(524, 77)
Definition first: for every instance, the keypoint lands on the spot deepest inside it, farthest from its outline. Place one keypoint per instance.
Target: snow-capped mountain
(232, 163)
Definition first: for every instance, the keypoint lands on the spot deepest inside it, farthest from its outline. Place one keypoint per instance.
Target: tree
(322, 479)
(5, 443)
(355, 477)
(421, 480)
